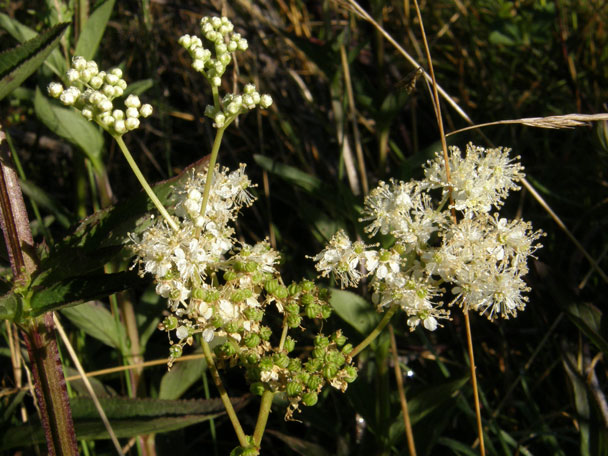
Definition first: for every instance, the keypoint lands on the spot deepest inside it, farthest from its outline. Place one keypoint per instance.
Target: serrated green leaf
(93, 31)
(354, 310)
(97, 321)
(129, 417)
(22, 33)
(71, 126)
(19, 63)
(181, 377)
(76, 290)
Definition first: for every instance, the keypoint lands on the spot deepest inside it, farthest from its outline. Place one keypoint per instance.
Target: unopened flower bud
(120, 127)
(265, 101)
(55, 89)
(146, 110)
(132, 123)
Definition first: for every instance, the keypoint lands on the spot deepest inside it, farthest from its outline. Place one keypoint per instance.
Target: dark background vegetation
(542, 376)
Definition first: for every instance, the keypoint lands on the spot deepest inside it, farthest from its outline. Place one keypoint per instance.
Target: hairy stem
(224, 395)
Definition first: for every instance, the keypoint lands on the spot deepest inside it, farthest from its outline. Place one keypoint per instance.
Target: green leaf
(289, 173)
(432, 398)
(93, 31)
(354, 310)
(43, 199)
(129, 418)
(75, 290)
(10, 307)
(19, 63)
(71, 126)
(22, 33)
(588, 319)
(181, 377)
(97, 321)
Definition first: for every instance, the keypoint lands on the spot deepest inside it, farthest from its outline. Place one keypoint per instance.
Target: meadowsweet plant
(218, 288)
(448, 241)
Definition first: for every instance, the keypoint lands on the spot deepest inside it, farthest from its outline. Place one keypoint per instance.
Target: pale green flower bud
(249, 88)
(243, 45)
(79, 63)
(96, 82)
(132, 123)
(219, 67)
(206, 28)
(146, 110)
(132, 113)
(210, 111)
(87, 113)
(92, 66)
(232, 46)
(219, 119)
(107, 121)
(185, 41)
(122, 84)
(108, 90)
(116, 72)
(67, 98)
(120, 127)
(216, 81)
(132, 101)
(265, 101)
(118, 91)
(248, 101)
(200, 54)
(86, 75)
(198, 65)
(216, 22)
(256, 97)
(225, 59)
(111, 79)
(55, 89)
(220, 49)
(118, 114)
(73, 75)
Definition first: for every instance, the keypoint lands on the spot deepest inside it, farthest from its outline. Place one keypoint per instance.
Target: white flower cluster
(219, 31)
(92, 92)
(481, 256)
(186, 263)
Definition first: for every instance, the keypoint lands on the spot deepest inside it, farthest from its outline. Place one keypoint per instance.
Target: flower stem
(224, 395)
(482, 448)
(375, 333)
(260, 425)
(144, 183)
(214, 152)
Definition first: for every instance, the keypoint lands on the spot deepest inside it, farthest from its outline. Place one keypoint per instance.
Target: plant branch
(224, 395)
(210, 169)
(144, 183)
(375, 333)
